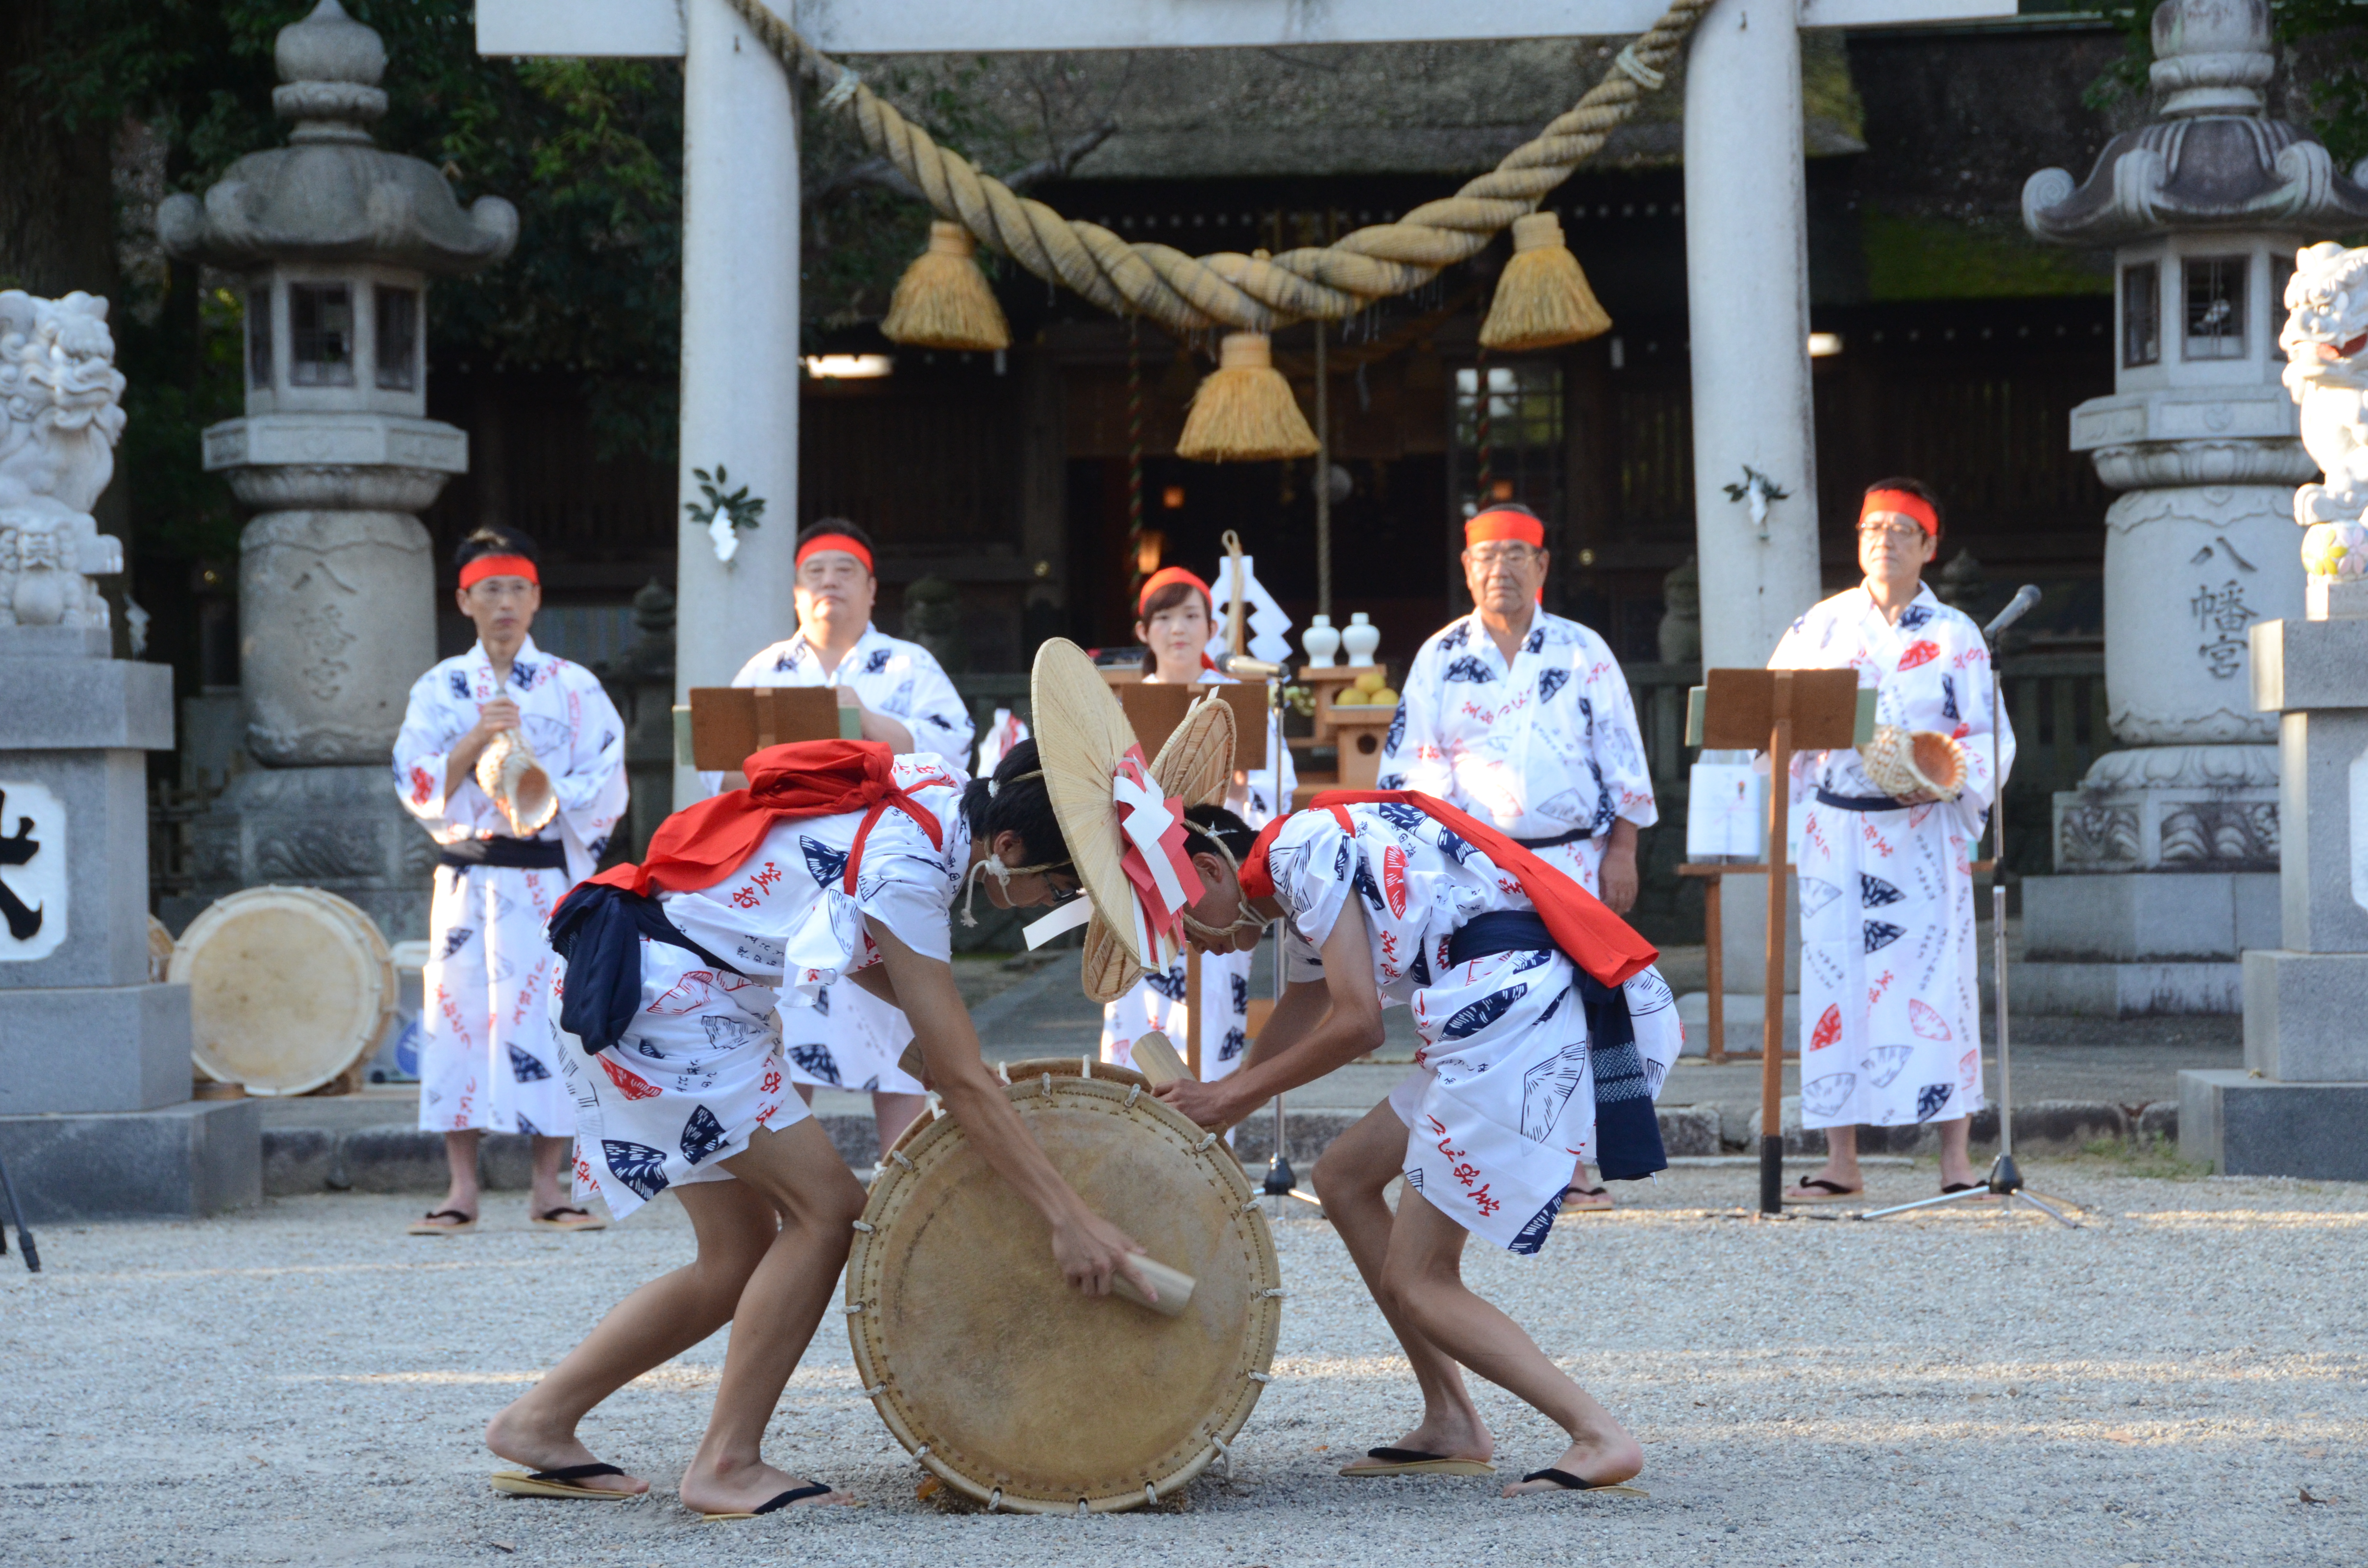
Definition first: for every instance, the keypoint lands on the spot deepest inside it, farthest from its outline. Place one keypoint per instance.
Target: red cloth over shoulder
(1592, 936)
(702, 844)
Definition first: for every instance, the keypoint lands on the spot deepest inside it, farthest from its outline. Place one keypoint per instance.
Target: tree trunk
(57, 209)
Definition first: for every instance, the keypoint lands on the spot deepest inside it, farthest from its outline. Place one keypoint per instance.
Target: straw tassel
(1244, 411)
(942, 301)
(1543, 300)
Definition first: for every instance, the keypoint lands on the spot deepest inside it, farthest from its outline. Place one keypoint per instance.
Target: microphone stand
(1280, 1182)
(2005, 1178)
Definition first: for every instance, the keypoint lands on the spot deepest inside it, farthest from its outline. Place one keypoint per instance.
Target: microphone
(2024, 597)
(1241, 666)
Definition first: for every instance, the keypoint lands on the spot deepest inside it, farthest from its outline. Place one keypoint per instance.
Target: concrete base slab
(85, 1049)
(2303, 1015)
(2241, 1125)
(1746, 1014)
(2149, 917)
(197, 1158)
(2128, 989)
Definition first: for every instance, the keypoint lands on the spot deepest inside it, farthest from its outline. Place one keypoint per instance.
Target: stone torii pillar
(1746, 226)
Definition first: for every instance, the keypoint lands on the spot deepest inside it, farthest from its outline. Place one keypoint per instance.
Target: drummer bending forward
(837, 860)
(1547, 1033)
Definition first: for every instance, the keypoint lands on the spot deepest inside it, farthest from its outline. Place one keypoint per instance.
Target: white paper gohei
(1726, 810)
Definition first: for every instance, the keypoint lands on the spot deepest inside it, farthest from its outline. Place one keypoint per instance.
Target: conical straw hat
(1081, 734)
(1195, 766)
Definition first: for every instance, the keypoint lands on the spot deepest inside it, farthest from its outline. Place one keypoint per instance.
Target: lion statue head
(2325, 334)
(63, 399)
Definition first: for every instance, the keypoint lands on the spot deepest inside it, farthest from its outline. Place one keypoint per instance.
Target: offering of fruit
(1366, 690)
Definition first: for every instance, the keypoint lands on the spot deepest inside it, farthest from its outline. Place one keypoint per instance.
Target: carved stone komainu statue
(2326, 345)
(62, 399)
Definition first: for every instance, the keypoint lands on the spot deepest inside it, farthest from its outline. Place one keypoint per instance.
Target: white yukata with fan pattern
(1502, 1096)
(704, 1066)
(1890, 994)
(1537, 749)
(484, 1060)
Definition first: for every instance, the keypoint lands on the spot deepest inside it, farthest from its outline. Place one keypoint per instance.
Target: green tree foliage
(2324, 46)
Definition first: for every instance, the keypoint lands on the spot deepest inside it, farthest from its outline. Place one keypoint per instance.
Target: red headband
(487, 566)
(1913, 508)
(1163, 578)
(1501, 524)
(835, 542)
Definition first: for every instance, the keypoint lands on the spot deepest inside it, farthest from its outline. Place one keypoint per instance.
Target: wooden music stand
(1775, 712)
(727, 724)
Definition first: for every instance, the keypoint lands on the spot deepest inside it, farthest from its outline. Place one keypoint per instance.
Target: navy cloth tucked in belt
(1627, 1132)
(1861, 803)
(599, 930)
(1573, 837)
(519, 854)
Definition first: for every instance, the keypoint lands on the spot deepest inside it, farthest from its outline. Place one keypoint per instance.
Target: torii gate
(1746, 244)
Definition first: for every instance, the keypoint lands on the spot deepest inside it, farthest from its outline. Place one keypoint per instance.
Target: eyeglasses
(1898, 533)
(1513, 557)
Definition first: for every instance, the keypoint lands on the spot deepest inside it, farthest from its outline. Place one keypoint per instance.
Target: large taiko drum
(289, 987)
(1002, 1378)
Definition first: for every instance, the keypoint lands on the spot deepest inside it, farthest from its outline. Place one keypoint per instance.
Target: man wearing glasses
(850, 1040)
(1889, 992)
(1523, 719)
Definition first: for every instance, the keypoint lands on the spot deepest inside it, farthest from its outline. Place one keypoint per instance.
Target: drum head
(1008, 1384)
(287, 988)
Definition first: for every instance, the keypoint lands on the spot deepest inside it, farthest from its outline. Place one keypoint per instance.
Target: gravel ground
(304, 1384)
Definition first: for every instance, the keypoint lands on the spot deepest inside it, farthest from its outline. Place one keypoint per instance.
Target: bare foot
(1605, 1459)
(515, 1436)
(744, 1489)
(1849, 1182)
(1453, 1437)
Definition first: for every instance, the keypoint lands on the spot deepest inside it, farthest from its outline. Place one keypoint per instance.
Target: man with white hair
(1522, 718)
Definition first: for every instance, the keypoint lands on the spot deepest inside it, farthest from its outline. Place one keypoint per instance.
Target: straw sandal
(1570, 1482)
(1380, 1462)
(794, 1494)
(1568, 1193)
(1817, 1190)
(567, 1218)
(560, 1483)
(428, 1226)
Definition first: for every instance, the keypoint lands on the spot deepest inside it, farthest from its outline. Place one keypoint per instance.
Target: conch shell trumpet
(516, 783)
(1901, 762)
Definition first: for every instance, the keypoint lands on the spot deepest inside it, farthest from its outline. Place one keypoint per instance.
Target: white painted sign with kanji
(32, 872)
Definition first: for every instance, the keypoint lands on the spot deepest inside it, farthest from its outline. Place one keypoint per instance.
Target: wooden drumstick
(1155, 1059)
(1175, 1286)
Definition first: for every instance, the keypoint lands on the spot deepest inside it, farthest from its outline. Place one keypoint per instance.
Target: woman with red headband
(1891, 1028)
(486, 1058)
(1175, 622)
(850, 1041)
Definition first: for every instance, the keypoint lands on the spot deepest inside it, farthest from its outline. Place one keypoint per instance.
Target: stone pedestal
(339, 829)
(95, 1118)
(2301, 1104)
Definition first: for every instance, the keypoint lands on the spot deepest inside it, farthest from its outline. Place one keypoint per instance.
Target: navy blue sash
(1627, 1132)
(1573, 837)
(599, 930)
(521, 854)
(1861, 803)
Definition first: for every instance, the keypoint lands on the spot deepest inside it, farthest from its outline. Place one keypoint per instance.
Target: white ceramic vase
(1359, 637)
(1322, 639)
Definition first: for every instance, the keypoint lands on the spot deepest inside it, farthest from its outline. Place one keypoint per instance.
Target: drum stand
(2005, 1178)
(25, 1237)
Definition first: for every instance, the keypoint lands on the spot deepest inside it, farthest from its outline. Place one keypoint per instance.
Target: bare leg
(1350, 1178)
(461, 1154)
(895, 1113)
(1956, 1163)
(819, 1201)
(548, 1154)
(660, 1321)
(1424, 1273)
(1841, 1161)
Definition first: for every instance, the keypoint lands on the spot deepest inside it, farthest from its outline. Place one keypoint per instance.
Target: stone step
(2128, 989)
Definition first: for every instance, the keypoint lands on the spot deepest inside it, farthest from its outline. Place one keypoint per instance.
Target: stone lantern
(2167, 852)
(334, 240)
